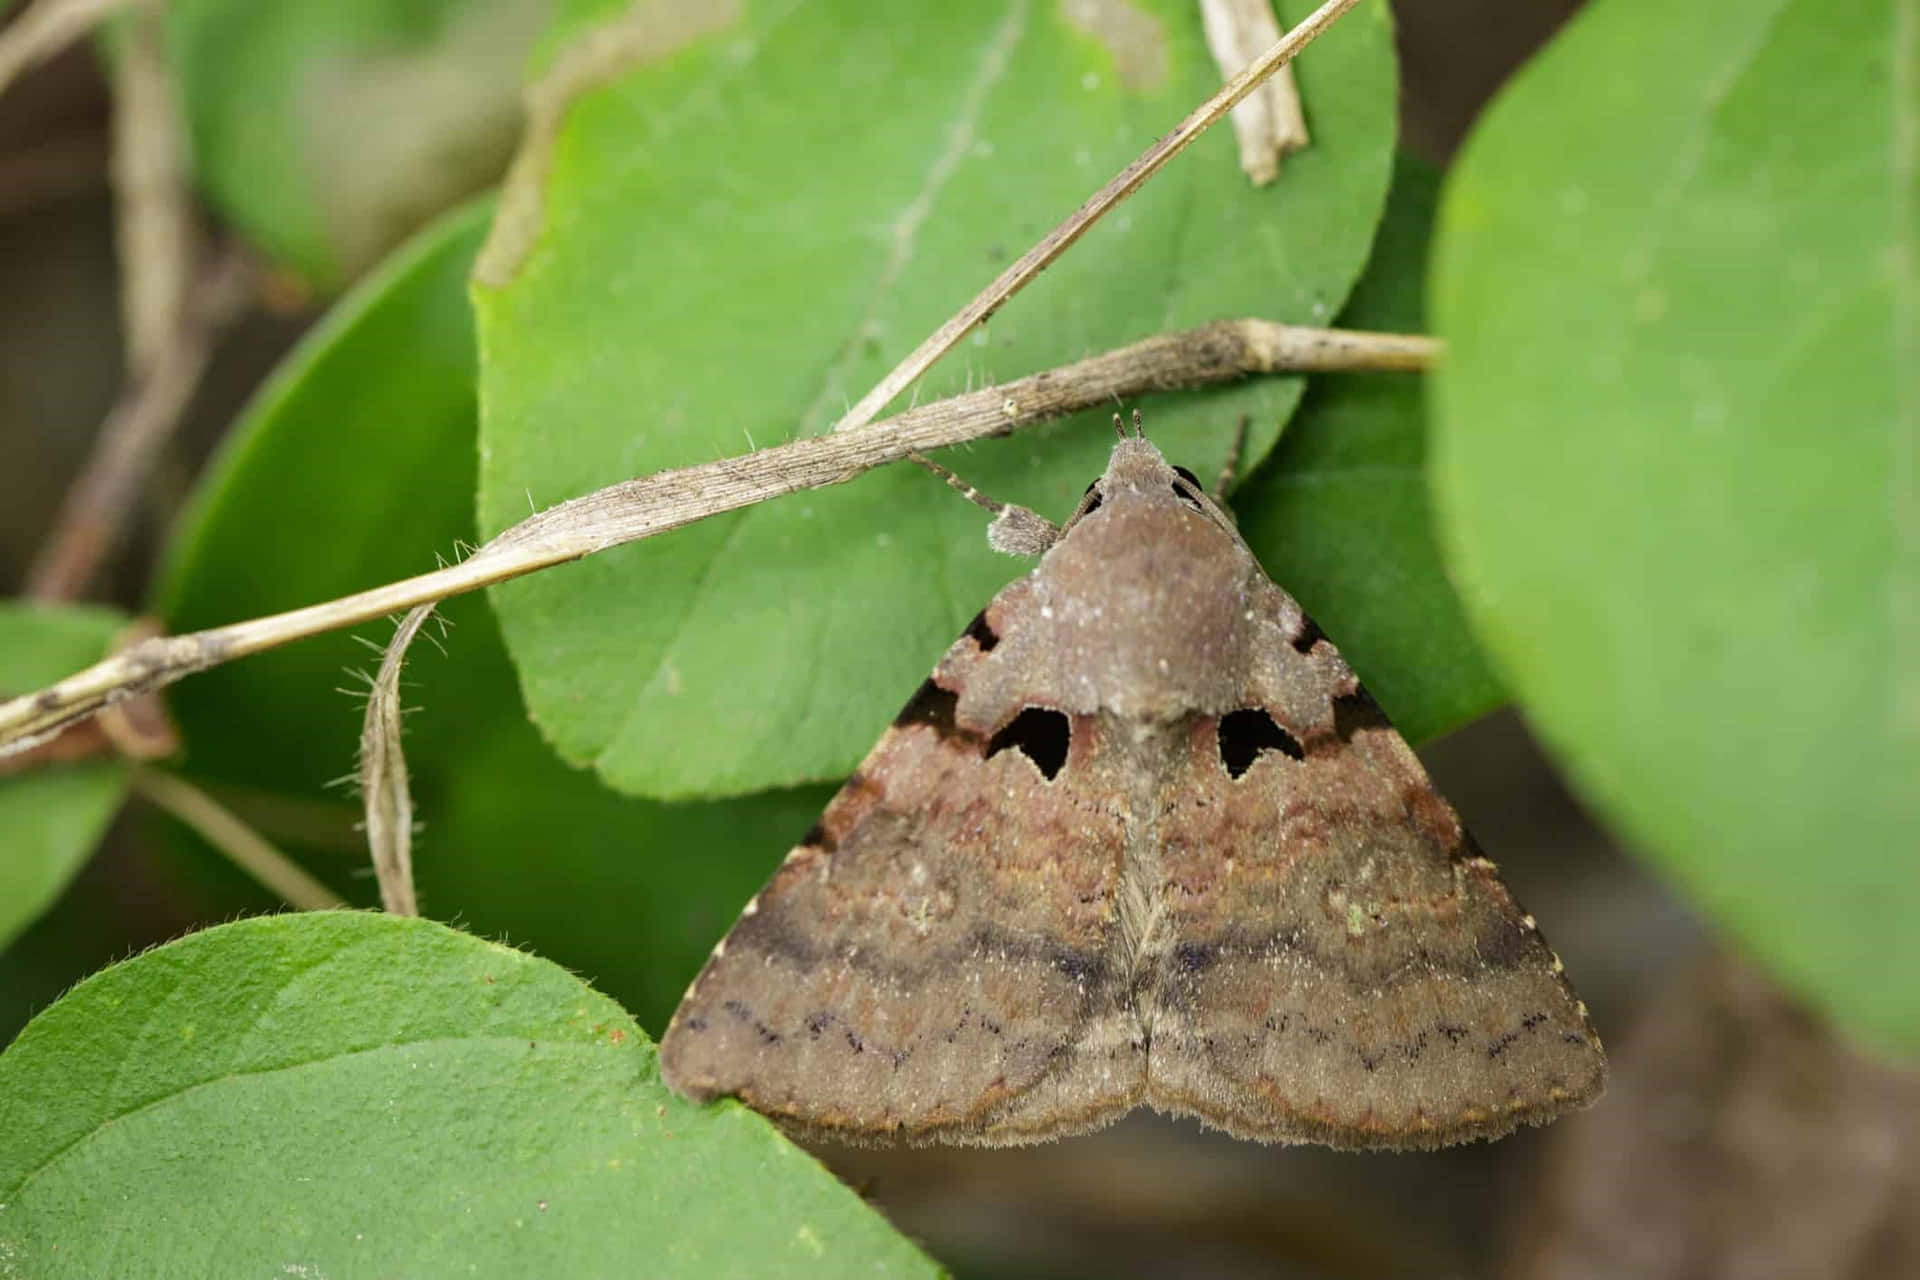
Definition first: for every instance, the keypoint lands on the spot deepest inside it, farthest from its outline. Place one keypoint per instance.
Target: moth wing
(1339, 964)
(939, 958)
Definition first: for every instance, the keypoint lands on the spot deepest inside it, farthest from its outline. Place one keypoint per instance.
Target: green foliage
(351, 468)
(1340, 517)
(53, 814)
(359, 1095)
(1675, 456)
(731, 237)
(327, 130)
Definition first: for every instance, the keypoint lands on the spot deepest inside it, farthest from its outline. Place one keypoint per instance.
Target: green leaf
(1340, 514)
(355, 466)
(730, 235)
(358, 1095)
(328, 130)
(1677, 433)
(632, 893)
(52, 815)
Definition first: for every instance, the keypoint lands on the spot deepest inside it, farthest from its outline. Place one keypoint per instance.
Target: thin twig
(86, 740)
(1270, 122)
(94, 511)
(172, 311)
(45, 28)
(1223, 351)
(154, 226)
(383, 775)
(241, 843)
(1230, 469)
(138, 728)
(1055, 242)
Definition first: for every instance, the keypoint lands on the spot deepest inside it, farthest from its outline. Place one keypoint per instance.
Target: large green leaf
(1340, 515)
(52, 815)
(358, 1095)
(727, 238)
(330, 129)
(1678, 431)
(355, 466)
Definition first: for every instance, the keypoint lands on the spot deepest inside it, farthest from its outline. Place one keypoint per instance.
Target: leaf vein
(988, 74)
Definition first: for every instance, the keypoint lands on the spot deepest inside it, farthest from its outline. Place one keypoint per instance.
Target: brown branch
(154, 227)
(137, 729)
(94, 511)
(170, 318)
(1056, 242)
(45, 28)
(1223, 351)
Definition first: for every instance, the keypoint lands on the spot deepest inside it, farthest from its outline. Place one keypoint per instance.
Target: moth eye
(1089, 507)
(1039, 733)
(1245, 734)
(1187, 475)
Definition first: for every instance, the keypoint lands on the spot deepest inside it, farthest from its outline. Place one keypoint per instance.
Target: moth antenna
(959, 486)
(1139, 431)
(1231, 467)
(1015, 531)
(1117, 428)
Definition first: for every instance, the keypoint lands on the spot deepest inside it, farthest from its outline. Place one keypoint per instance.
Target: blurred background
(1740, 1136)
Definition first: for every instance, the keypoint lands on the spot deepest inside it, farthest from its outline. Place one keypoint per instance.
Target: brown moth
(1141, 838)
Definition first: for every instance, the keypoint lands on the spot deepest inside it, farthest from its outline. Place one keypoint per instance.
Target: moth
(1141, 838)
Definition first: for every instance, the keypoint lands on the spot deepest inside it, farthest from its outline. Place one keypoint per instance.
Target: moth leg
(1015, 531)
(1231, 466)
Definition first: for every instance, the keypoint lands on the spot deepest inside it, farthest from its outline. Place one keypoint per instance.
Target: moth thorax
(1151, 603)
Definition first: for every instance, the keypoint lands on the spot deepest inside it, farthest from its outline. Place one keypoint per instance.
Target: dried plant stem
(154, 226)
(236, 839)
(1223, 351)
(172, 311)
(45, 28)
(1055, 242)
(383, 775)
(94, 511)
(1270, 122)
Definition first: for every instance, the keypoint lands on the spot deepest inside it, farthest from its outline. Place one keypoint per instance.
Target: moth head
(1139, 475)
